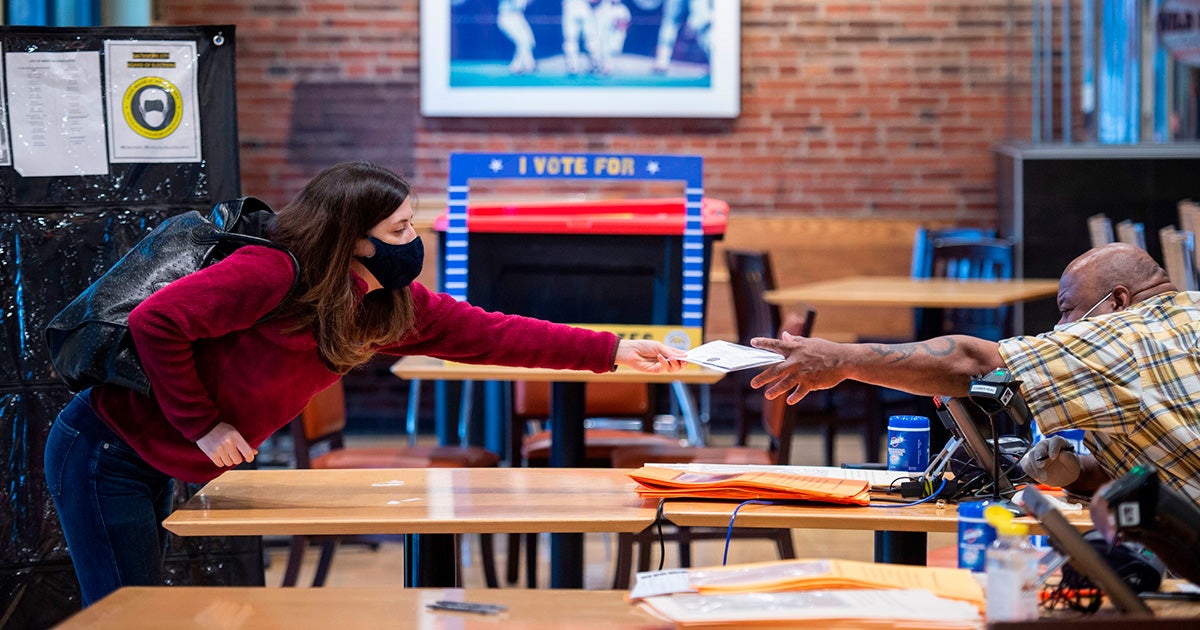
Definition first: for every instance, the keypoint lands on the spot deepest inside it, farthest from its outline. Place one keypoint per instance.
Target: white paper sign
(152, 105)
(56, 113)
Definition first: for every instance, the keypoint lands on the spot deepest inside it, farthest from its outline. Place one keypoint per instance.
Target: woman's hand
(225, 446)
(649, 356)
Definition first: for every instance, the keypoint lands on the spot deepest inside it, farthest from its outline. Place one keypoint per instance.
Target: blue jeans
(111, 503)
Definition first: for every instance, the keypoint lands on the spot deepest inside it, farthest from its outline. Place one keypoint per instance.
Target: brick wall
(852, 107)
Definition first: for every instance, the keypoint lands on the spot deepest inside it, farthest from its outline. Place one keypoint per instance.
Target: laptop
(1082, 556)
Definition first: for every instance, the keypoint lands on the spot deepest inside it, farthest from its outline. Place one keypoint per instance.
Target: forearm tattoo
(899, 352)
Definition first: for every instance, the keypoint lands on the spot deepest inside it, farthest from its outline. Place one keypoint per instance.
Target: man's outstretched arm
(939, 366)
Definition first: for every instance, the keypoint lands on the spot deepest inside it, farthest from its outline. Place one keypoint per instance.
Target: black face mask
(395, 266)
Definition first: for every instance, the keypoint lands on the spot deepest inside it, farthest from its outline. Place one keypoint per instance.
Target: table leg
(567, 450)
(901, 547)
(566, 425)
(430, 560)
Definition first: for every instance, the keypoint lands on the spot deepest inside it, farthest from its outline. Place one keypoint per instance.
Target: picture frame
(580, 58)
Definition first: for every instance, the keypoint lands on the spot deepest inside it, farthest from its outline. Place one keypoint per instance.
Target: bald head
(1107, 279)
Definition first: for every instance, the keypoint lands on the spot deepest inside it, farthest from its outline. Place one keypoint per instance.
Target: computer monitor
(1082, 556)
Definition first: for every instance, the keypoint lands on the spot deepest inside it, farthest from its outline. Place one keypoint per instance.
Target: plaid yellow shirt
(1130, 379)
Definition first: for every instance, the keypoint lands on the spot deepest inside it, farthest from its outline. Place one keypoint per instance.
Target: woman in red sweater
(229, 364)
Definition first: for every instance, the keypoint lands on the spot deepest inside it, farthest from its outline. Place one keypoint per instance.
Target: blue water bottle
(975, 535)
(908, 443)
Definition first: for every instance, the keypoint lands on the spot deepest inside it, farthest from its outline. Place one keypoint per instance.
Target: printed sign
(152, 105)
(56, 113)
(465, 167)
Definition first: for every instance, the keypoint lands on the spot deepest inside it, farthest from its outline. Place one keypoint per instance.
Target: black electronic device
(997, 392)
(1139, 507)
(968, 422)
(1133, 562)
(1082, 556)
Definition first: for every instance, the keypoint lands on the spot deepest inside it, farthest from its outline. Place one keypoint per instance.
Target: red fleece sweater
(209, 362)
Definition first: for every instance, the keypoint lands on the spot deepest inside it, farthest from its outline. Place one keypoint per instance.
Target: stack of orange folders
(813, 593)
(655, 482)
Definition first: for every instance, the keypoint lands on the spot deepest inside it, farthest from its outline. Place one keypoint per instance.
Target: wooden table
(915, 292)
(566, 423)
(414, 501)
(152, 608)
(567, 390)
(916, 520)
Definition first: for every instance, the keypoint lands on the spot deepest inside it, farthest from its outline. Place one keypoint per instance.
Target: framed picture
(580, 58)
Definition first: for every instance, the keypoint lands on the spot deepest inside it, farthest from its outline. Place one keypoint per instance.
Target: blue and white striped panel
(455, 280)
(693, 260)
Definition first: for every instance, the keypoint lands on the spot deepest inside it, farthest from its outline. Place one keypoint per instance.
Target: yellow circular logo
(153, 107)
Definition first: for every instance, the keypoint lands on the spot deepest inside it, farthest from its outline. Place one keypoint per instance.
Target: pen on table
(468, 607)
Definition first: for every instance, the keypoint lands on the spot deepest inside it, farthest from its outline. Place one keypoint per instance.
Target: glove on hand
(1052, 461)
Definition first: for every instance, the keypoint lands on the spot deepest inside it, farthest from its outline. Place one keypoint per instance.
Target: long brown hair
(320, 226)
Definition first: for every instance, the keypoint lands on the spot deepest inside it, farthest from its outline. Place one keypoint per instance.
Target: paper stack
(815, 609)
(656, 482)
(813, 592)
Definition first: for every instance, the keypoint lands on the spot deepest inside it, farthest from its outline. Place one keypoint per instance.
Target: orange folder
(655, 482)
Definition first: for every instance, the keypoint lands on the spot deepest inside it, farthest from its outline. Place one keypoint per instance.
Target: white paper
(652, 583)
(152, 105)
(1063, 506)
(724, 356)
(913, 606)
(56, 113)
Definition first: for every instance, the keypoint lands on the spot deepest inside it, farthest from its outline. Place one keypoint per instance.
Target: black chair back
(988, 259)
(749, 277)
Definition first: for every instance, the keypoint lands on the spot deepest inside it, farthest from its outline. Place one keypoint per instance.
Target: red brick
(864, 107)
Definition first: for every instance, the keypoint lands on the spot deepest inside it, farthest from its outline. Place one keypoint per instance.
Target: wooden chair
(1132, 233)
(750, 275)
(1100, 230)
(980, 260)
(1189, 215)
(881, 401)
(1189, 221)
(924, 240)
(607, 401)
(604, 403)
(779, 423)
(318, 438)
(1179, 251)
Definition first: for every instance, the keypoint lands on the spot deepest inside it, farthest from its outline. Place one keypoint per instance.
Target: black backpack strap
(244, 215)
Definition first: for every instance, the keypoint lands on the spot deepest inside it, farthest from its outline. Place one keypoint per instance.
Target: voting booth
(636, 267)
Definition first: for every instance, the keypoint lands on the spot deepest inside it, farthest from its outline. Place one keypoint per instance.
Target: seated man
(1123, 363)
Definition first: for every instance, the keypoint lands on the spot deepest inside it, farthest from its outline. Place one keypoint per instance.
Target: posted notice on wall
(56, 113)
(152, 111)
